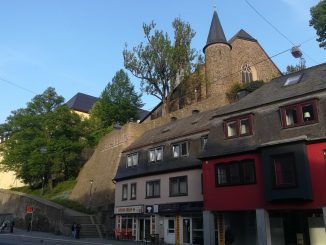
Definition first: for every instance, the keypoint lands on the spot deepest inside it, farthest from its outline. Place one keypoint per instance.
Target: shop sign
(129, 210)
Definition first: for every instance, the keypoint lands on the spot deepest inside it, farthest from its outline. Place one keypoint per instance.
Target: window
(293, 80)
(133, 191)
(171, 226)
(178, 186)
(124, 192)
(203, 140)
(153, 189)
(284, 170)
(132, 160)
(235, 173)
(156, 154)
(299, 114)
(180, 149)
(237, 127)
(246, 74)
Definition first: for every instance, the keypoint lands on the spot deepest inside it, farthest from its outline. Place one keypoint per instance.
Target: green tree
(160, 63)
(292, 68)
(46, 140)
(118, 103)
(318, 21)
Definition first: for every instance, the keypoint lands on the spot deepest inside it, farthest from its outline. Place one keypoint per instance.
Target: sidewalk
(43, 236)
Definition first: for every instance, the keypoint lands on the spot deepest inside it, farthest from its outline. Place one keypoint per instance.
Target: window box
(132, 160)
(180, 149)
(238, 126)
(235, 173)
(153, 189)
(179, 186)
(299, 114)
(155, 154)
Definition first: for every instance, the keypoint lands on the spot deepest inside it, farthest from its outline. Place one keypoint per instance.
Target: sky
(76, 45)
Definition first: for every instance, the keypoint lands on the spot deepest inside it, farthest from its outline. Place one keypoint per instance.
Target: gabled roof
(216, 33)
(242, 34)
(313, 79)
(81, 102)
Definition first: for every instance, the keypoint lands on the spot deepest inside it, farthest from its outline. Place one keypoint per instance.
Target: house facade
(159, 181)
(264, 165)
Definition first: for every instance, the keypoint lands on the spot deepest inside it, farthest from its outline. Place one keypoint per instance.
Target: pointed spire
(216, 33)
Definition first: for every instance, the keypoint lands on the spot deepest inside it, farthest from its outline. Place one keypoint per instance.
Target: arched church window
(246, 74)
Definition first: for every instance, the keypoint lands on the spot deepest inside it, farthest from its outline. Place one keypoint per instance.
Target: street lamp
(43, 150)
(91, 181)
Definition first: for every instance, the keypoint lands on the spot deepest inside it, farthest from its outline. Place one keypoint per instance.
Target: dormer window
(180, 149)
(132, 160)
(299, 114)
(203, 140)
(246, 74)
(238, 126)
(155, 154)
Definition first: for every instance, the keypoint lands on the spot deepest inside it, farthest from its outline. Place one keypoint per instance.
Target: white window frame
(132, 160)
(155, 154)
(177, 149)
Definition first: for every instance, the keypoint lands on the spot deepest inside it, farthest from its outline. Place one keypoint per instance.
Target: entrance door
(169, 230)
(186, 230)
(144, 229)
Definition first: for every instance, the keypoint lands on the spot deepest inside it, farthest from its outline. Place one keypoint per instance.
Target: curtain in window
(175, 150)
(183, 186)
(129, 161)
(134, 159)
(151, 156)
(221, 175)
(158, 152)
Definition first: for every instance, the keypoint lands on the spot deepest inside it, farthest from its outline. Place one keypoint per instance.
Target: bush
(232, 93)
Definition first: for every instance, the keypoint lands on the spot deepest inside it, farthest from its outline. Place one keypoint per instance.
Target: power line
(17, 85)
(268, 22)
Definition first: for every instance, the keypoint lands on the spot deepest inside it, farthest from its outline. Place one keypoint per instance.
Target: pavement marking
(55, 239)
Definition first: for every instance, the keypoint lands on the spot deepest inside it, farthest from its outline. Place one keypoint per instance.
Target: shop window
(124, 192)
(238, 126)
(178, 186)
(132, 160)
(299, 114)
(133, 191)
(180, 149)
(153, 189)
(156, 154)
(284, 170)
(171, 226)
(235, 173)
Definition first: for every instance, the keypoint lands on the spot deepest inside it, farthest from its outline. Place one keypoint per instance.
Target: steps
(90, 228)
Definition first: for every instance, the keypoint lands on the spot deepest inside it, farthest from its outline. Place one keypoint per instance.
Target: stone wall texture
(47, 216)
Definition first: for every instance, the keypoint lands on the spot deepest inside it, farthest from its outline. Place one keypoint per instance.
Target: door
(169, 230)
(144, 229)
(186, 230)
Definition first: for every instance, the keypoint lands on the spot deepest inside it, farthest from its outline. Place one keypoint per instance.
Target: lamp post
(43, 150)
(91, 181)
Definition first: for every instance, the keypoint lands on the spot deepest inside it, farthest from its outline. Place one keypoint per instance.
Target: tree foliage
(118, 103)
(318, 21)
(46, 140)
(292, 68)
(160, 62)
(232, 93)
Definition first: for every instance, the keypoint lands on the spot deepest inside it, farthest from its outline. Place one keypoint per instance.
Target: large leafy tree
(161, 62)
(118, 103)
(46, 140)
(318, 21)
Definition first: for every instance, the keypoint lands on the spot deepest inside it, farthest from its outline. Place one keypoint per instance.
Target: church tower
(217, 62)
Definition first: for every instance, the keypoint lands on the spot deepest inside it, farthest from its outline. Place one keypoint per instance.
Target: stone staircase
(90, 227)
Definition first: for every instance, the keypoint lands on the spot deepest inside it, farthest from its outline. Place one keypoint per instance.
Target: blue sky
(76, 45)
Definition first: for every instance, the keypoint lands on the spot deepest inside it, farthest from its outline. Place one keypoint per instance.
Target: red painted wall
(249, 197)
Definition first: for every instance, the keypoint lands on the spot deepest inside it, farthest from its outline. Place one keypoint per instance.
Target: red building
(264, 166)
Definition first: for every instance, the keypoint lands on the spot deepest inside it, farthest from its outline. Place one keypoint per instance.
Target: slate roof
(197, 122)
(216, 33)
(313, 79)
(81, 102)
(84, 102)
(242, 34)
